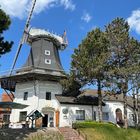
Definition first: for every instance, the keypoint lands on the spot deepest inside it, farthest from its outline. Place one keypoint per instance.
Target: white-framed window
(47, 52)
(6, 117)
(47, 61)
(80, 114)
(105, 116)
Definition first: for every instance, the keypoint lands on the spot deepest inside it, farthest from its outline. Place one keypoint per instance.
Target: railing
(26, 69)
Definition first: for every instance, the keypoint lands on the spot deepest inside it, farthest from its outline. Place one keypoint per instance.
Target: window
(48, 95)
(80, 114)
(22, 116)
(47, 61)
(6, 118)
(47, 52)
(105, 116)
(25, 96)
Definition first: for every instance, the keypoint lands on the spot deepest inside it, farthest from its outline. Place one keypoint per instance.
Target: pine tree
(124, 59)
(89, 62)
(71, 87)
(5, 22)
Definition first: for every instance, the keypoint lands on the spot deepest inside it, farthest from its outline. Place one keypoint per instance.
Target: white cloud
(134, 21)
(41, 5)
(68, 4)
(20, 8)
(15, 8)
(86, 17)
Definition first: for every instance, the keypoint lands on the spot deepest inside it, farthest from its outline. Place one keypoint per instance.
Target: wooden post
(57, 118)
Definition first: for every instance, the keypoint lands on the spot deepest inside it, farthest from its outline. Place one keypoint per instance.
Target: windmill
(27, 37)
(40, 76)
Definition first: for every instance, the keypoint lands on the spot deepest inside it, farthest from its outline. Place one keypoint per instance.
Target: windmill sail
(24, 36)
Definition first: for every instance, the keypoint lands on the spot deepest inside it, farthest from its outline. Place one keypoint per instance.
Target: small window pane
(48, 95)
(80, 114)
(47, 52)
(25, 96)
(47, 61)
(6, 118)
(23, 116)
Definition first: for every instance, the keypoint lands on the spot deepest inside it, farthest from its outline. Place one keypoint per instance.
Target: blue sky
(76, 16)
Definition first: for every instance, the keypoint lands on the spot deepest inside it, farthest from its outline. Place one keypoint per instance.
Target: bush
(90, 124)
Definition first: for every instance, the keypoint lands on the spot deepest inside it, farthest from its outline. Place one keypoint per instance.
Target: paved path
(69, 133)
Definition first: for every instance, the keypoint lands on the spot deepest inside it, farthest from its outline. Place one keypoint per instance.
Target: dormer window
(47, 52)
(47, 61)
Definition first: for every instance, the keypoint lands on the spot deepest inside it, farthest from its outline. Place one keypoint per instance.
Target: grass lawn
(106, 131)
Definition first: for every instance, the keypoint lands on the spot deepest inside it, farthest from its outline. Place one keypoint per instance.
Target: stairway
(69, 133)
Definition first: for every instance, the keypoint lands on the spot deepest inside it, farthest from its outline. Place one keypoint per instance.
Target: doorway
(45, 121)
(119, 119)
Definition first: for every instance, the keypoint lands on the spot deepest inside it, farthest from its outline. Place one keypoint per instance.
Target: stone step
(69, 133)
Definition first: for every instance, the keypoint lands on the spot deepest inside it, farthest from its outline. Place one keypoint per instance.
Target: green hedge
(90, 124)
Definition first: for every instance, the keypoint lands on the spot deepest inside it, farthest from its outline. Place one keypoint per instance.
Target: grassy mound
(106, 131)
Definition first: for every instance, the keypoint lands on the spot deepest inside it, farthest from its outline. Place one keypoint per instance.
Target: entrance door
(119, 119)
(45, 121)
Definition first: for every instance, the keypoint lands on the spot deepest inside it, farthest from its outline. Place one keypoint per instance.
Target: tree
(136, 98)
(5, 22)
(89, 62)
(124, 59)
(70, 86)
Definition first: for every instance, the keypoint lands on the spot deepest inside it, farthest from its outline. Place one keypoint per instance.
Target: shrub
(90, 124)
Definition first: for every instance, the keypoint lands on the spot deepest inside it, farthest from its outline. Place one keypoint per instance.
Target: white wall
(36, 100)
(68, 119)
(111, 107)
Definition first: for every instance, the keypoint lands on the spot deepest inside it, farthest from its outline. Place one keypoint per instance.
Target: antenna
(24, 36)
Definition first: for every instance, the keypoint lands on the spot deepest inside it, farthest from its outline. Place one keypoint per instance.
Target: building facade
(37, 81)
